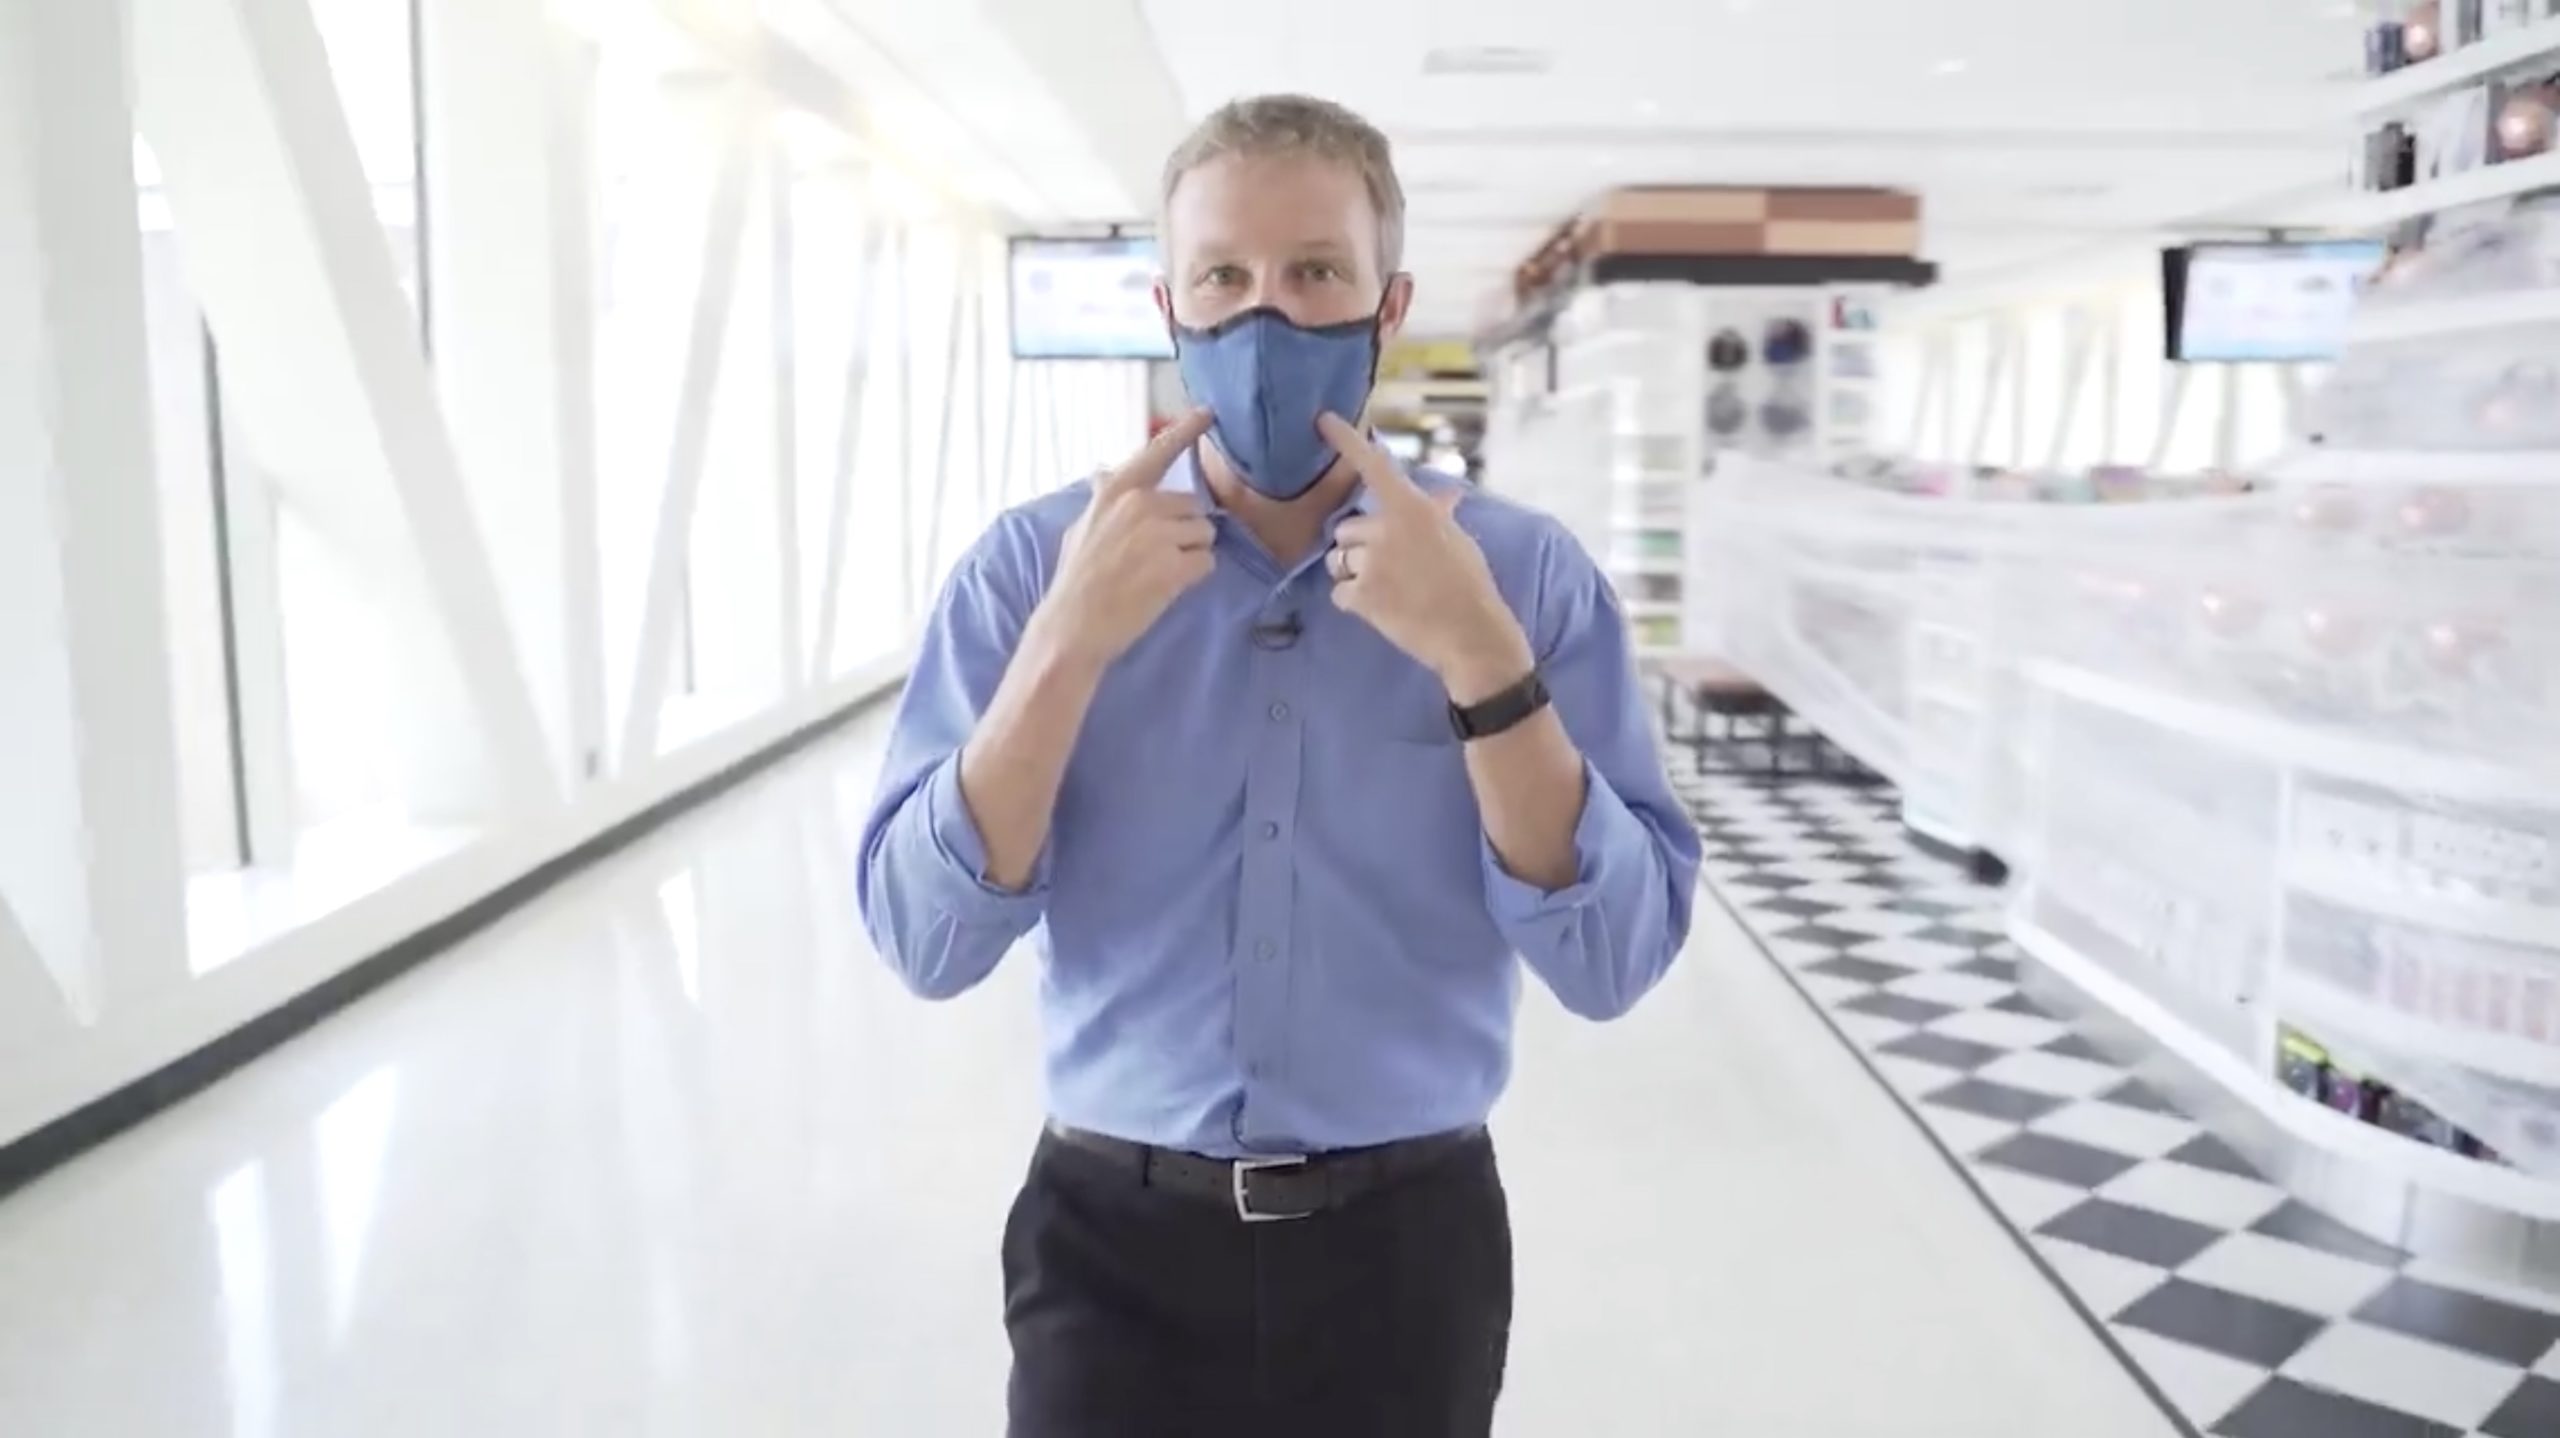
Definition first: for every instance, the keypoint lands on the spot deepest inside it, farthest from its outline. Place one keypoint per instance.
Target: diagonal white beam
(2173, 408)
(1059, 459)
(1132, 110)
(724, 230)
(270, 797)
(2110, 381)
(786, 427)
(321, 366)
(509, 182)
(857, 388)
(2077, 330)
(1007, 484)
(90, 871)
(963, 290)
(1994, 374)
(902, 488)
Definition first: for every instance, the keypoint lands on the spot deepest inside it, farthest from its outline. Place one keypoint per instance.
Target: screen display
(2271, 302)
(1086, 299)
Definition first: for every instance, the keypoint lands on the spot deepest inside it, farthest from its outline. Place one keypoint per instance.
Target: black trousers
(1140, 1313)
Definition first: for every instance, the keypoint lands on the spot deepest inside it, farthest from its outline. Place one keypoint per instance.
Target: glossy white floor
(670, 1154)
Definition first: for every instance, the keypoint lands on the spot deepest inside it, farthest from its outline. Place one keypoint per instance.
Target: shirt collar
(1183, 477)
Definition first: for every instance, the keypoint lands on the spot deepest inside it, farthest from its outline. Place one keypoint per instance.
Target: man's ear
(1164, 302)
(1395, 305)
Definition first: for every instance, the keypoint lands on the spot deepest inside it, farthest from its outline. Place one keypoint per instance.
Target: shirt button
(1270, 830)
(1279, 711)
(1257, 1069)
(1266, 950)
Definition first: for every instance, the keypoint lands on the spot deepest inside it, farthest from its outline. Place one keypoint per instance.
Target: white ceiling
(2033, 128)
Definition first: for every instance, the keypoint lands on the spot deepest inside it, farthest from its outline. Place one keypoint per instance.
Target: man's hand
(1129, 555)
(1419, 580)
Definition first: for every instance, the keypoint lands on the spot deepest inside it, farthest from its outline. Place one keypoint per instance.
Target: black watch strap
(1505, 710)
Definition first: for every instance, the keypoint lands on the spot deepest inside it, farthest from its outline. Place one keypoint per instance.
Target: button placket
(1264, 930)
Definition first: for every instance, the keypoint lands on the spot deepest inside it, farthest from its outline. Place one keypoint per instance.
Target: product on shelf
(2524, 120)
(2307, 1068)
(2419, 34)
(2422, 30)
(2302, 1066)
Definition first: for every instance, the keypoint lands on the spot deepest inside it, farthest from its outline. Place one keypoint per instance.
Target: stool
(1735, 726)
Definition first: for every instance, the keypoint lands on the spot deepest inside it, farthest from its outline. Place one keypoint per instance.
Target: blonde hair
(1261, 125)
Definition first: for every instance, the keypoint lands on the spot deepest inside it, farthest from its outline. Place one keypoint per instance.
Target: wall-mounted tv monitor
(1076, 299)
(2273, 302)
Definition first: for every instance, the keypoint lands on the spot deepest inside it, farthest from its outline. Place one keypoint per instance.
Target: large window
(805, 410)
(871, 615)
(415, 517)
(194, 584)
(1989, 389)
(663, 136)
(834, 251)
(347, 756)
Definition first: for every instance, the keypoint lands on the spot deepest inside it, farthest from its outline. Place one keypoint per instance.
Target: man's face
(1294, 232)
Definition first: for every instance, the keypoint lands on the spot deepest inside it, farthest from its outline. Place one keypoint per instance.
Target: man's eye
(1322, 270)
(1222, 276)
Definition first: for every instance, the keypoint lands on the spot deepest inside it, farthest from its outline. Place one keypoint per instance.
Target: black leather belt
(1267, 1189)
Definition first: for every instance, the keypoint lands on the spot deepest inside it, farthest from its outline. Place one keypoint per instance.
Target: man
(1287, 757)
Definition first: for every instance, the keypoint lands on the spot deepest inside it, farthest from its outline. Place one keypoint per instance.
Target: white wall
(615, 428)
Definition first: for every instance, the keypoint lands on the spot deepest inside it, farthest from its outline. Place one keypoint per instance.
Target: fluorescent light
(1486, 60)
(1951, 67)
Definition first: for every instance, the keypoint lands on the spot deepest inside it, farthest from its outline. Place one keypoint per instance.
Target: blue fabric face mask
(1265, 378)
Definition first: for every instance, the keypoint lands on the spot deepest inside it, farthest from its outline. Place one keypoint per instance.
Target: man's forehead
(1212, 242)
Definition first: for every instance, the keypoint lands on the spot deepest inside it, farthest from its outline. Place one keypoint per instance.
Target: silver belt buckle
(1244, 1166)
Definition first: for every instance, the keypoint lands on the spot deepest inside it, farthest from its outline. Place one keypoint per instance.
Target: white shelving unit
(2472, 187)
(2469, 314)
(1640, 348)
(2411, 86)
(2405, 93)
(2494, 469)
(2399, 892)
(1639, 352)
(2359, 1147)
(1849, 360)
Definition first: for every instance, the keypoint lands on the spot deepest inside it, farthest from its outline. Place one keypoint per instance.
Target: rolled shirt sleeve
(925, 896)
(1603, 941)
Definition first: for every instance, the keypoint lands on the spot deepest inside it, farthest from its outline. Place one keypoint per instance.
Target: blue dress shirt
(1268, 917)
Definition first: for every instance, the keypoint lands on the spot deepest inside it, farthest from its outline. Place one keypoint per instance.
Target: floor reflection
(671, 1153)
(352, 1138)
(238, 1205)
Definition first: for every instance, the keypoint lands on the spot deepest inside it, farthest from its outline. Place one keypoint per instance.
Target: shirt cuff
(959, 847)
(1606, 826)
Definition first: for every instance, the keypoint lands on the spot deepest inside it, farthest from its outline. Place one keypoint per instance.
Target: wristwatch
(1505, 710)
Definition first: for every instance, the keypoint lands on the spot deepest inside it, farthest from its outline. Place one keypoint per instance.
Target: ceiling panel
(2029, 127)
(947, 86)
(2146, 64)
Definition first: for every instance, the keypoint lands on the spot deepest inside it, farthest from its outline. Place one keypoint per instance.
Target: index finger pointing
(1386, 478)
(1145, 470)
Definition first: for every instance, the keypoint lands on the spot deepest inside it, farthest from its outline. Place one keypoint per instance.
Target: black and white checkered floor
(2245, 1313)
